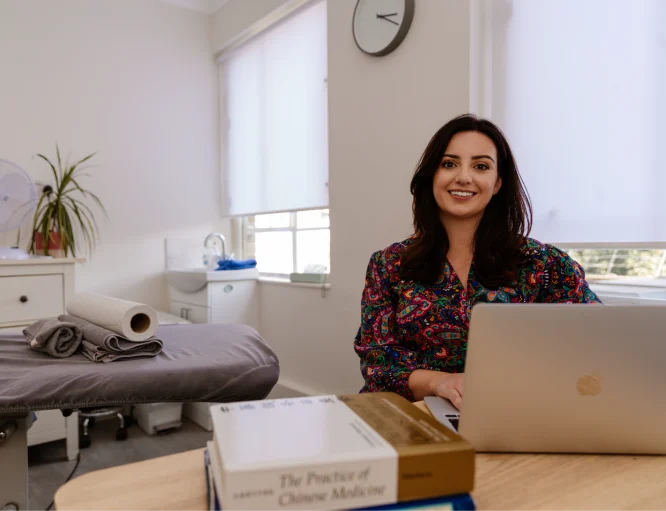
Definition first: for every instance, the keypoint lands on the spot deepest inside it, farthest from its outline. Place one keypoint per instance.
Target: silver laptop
(563, 378)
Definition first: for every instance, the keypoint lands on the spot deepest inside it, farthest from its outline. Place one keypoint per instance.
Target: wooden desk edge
(510, 481)
(74, 491)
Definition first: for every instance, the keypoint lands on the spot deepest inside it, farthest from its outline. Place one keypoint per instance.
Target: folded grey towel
(57, 338)
(102, 345)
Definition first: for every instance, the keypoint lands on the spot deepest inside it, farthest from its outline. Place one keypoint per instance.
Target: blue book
(213, 502)
(463, 502)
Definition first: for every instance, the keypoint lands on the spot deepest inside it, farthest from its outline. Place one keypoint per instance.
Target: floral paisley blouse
(407, 326)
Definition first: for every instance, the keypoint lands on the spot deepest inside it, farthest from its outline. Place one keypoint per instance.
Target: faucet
(222, 239)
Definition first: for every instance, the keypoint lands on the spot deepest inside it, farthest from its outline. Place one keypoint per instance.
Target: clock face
(380, 25)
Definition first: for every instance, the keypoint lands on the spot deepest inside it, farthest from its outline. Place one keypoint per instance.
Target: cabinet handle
(23, 299)
(7, 428)
(228, 288)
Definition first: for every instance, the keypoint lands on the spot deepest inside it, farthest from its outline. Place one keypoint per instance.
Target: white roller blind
(275, 139)
(579, 87)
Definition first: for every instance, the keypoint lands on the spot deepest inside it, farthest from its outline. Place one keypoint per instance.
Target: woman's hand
(423, 383)
(449, 386)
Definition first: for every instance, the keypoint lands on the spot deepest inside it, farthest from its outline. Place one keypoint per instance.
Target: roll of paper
(134, 321)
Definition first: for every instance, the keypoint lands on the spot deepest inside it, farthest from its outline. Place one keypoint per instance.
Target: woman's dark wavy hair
(503, 227)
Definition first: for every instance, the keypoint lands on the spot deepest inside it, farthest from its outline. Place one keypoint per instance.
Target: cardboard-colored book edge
(433, 460)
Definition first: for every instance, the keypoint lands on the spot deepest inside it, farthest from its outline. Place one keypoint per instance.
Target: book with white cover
(335, 452)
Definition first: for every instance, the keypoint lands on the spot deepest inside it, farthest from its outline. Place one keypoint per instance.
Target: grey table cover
(199, 363)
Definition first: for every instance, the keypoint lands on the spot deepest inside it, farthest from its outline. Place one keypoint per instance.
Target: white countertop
(41, 260)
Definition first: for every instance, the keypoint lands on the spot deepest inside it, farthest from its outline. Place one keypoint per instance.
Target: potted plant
(61, 215)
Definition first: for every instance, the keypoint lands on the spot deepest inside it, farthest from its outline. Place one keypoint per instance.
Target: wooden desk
(503, 481)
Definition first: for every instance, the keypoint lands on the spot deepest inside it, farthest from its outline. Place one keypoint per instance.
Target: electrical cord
(78, 459)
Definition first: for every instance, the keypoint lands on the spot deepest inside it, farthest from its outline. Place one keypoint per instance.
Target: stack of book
(359, 451)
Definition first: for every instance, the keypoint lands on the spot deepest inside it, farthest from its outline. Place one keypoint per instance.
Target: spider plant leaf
(66, 179)
(69, 229)
(78, 170)
(37, 214)
(62, 227)
(77, 186)
(98, 202)
(91, 195)
(86, 223)
(84, 207)
(45, 227)
(55, 172)
(84, 226)
(58, 154)
(83, 160)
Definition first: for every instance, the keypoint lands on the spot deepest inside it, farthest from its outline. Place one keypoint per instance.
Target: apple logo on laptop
(589, 385)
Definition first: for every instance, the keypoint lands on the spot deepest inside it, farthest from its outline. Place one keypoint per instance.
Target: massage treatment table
(199, 363)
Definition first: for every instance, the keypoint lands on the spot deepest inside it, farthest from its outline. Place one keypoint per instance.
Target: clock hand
(384, 17)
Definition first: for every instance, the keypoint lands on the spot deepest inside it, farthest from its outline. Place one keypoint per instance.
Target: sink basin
(191, 280)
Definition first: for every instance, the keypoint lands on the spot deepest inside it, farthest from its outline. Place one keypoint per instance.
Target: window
(275, 140)
(274, 117)
(579, 88)
(283, 243)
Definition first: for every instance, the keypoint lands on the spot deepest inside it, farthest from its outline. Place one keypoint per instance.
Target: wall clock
(379, 26)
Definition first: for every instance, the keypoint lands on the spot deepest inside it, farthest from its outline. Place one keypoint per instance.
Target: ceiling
(207, 6)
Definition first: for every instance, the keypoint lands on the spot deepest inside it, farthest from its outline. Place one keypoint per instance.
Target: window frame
(656, 278)
(247, 229)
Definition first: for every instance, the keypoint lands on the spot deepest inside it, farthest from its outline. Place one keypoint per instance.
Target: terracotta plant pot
(55, 248)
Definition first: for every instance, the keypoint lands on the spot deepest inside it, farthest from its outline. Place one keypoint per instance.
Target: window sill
(659, 282)
(286, 282)
(649, 290)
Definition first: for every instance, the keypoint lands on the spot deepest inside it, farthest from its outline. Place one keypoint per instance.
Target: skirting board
(285, 389)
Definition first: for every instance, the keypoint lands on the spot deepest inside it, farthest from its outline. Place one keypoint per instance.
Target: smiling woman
(470, 245)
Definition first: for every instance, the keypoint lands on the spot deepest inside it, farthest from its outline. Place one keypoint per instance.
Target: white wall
(135, 81)
(382, 112)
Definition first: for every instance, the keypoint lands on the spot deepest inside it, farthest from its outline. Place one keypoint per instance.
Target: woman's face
(467, 176)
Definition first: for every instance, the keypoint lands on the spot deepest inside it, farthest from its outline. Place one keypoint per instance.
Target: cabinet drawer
(197, 298)
(30, 297)
(193, 313)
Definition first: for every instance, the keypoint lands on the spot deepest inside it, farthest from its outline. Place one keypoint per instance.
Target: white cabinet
(237, 302)
(33, 289)
(29, 297)
(233, 301)
(218, 302)
(190, 312)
